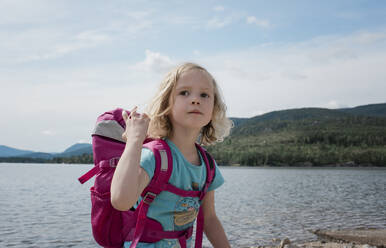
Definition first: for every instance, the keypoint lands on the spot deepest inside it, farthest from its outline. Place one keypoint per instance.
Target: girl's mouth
(195, 112)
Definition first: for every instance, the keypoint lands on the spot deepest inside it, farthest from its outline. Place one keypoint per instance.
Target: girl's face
(193, 100)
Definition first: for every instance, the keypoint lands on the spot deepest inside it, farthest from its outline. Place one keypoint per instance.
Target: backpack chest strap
(184, 193)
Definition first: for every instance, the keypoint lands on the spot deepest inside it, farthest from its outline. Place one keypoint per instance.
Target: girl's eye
(184, 93)
(204, 95)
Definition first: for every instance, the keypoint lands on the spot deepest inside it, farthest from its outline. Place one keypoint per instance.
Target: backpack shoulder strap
(162, 173)
(163, 167)
(210, 168)
(210, 174)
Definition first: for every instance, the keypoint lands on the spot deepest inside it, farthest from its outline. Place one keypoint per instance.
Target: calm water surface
(43, 205)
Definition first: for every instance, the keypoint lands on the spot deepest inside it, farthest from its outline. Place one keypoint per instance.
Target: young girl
(187, 108)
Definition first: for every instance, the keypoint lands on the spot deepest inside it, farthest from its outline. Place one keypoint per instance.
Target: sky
(63, 63)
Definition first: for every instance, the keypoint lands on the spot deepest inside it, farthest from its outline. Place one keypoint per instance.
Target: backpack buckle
(114, 161)
(149, 198)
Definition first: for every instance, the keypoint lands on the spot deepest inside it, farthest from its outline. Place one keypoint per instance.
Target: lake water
(43, 205)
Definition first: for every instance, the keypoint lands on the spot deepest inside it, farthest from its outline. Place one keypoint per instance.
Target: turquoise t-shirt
(174, 212)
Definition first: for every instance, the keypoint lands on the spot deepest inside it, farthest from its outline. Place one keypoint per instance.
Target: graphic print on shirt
(195, 186)
(186, 211)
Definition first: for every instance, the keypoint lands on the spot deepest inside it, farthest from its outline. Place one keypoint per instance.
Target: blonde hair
(160, 108)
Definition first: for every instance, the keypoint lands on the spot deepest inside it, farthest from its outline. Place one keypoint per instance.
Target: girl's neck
(185, 143)
(184, 137)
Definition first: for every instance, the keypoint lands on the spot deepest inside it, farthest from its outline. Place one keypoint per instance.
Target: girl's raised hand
(136, 126)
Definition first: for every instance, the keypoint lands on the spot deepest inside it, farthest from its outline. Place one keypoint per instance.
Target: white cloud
(217, 22)
(369, 37)
(219, 8)
(48, 132)
(140, 15)
(293, 75)
(154, 62)
(133, 24)
(259, 23)
(42, 44)
(38, 34)
(349, 15)
(196, 52)
(83, 40)
(333, 104)
(20, 12)
(93, 37)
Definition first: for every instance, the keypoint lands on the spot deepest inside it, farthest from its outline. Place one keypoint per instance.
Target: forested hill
(308, 137)
(368, 110)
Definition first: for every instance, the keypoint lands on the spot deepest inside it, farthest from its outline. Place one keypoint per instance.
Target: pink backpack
(111, 227)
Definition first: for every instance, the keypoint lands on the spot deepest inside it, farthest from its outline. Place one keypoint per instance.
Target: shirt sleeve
(218, 179)
(147, 162)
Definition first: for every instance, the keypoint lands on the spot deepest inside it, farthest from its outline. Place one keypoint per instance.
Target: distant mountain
(238, 121)
(299, 114)
(74, 150)
(378, 110)
(6, 151)
(77, 147)
(42, 155)
(367, 110)
(312, 136)
(283, 118)
(277, 120)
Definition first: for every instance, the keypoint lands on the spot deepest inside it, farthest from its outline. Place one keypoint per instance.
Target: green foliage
(82, 159)
(305, 137)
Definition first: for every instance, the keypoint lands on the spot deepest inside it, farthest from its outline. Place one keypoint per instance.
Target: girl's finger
(133, 111)
(125, 115)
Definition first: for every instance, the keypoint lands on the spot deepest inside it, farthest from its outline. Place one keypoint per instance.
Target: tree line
(81, 159)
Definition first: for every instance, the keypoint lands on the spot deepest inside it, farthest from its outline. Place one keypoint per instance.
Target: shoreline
(344, 238)
(302, 167)
(310, 165)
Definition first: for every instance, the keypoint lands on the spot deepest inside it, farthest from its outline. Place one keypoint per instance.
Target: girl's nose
(195, 102)
(195, 99)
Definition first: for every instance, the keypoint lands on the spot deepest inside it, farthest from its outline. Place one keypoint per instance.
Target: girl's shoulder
(147, 161)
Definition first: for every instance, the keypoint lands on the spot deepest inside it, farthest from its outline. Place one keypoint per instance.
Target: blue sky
(62, 63)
